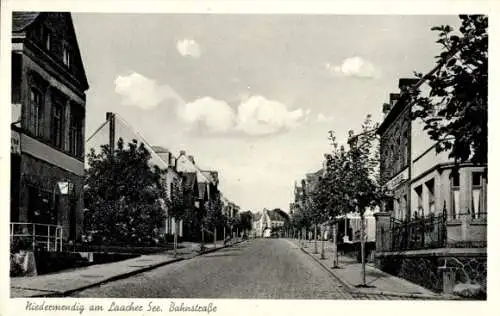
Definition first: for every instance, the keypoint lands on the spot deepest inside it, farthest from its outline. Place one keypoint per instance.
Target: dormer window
(67, 55)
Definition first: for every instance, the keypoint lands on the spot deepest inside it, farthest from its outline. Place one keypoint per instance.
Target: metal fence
(37, 236)
(419, 233)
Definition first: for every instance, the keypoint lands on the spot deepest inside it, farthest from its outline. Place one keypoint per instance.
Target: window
(431, 198)
(66, 55)
(46, 38)
(396, 208)
(42, 206)
(57, 125)
(477, 195)
(455, 195)
(420, 201)
(36, 112)
(402, 209)
(76, 134)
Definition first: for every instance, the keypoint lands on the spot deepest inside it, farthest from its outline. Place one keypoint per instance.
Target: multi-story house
(48, 127)
(435, 220)
(395, 147)
(174, 184)
(207, 182)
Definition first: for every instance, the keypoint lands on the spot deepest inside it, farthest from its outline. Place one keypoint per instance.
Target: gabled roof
(211, 175)
(276, 216)
(256, 216)
(160, 149)
(20, 20)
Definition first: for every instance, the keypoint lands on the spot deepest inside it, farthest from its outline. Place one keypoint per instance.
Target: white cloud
(260, 116)
(353, 67)
(217, 115)
(255, 116)
(188, 47)
(137, 90)
(322, 118)
(142, 92)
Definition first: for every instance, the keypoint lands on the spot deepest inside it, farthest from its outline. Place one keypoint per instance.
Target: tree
(246, 221)
(123, 194)
(176, 208)
(213, 217)
(351, 180)
(363, 189)
(455, 112)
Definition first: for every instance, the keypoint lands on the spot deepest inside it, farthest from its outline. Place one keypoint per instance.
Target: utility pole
(110, 116)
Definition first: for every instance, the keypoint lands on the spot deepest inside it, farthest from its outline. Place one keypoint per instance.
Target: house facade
(48, 127)
(257, 225)
(435, 217)
(174, 184)
(395, 148)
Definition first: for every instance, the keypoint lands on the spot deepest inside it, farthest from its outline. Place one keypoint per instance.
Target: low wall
(424, 267)
(354, 250)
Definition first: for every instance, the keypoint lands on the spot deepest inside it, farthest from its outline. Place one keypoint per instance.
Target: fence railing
(38, 236)
(419, 233)
(472, 215)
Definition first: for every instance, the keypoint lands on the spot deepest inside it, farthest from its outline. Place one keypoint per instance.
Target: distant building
(257, 225)
(174, 183)
(48, 127)
(266, 221)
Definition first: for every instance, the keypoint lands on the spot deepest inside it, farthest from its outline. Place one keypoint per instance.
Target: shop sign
(15, 143)
(397, 180)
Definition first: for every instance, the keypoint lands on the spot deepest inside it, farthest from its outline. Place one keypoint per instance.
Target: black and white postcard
(293, 157)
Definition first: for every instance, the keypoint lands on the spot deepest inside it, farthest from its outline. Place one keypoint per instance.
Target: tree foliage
(124, 194)
(350, 181)
(455, 112)
(246, 219)
(213, 216)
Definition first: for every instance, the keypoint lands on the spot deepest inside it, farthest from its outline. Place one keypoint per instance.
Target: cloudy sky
(252, 96)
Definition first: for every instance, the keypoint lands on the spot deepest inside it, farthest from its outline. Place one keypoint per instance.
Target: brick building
(395, 147)
(48, 123)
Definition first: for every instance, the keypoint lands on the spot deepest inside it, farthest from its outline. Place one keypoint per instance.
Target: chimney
(405, 83)
(393, 98)
(386, 108)
(191, 158)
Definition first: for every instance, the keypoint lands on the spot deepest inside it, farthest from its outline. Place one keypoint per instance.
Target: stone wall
(426, 267)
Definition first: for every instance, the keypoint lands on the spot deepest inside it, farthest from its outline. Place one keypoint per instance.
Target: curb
(353, 289)
(130, 273)
(113, 278)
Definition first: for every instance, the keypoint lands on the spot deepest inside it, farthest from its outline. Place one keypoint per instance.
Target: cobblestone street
(261, 268)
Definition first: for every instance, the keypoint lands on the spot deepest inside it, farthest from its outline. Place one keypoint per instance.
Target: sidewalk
(67, 282)
(379, 282)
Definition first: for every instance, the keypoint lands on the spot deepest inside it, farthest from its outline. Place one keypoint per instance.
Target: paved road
(260, 269)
